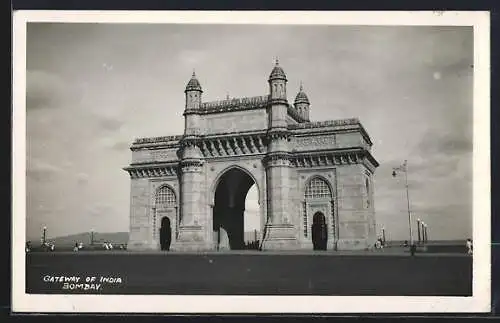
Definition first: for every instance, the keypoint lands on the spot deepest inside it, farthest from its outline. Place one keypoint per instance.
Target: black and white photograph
(251, 162)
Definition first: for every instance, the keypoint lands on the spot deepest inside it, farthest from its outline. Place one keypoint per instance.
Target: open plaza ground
(385, 273)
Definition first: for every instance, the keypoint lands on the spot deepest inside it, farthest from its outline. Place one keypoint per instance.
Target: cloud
(191, 58)
(110, 124)
(44, 89)
(99, 210)
(121, 145)
(41, 171)
(82, 178)
(445, 143)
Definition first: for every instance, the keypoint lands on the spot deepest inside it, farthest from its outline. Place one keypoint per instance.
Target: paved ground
(254, 273)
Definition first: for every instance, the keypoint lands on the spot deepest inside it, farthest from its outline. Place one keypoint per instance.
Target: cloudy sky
(93, 88)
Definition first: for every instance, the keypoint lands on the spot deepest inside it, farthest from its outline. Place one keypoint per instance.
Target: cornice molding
(325, 158)
(152, 170)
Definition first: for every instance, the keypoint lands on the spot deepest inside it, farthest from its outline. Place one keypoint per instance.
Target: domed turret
(301, 96)
(277, 84)
(277, 73)
(193, 84)
(301, 103)
(193, 94)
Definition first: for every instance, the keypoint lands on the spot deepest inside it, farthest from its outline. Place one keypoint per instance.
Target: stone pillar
(280, 230)
(191, 194)
(193, 224)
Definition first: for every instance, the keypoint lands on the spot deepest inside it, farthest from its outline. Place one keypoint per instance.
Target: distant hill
(99, 237)
(113, 237)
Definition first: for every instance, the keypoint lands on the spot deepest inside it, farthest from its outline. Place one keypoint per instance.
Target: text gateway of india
(308, 174)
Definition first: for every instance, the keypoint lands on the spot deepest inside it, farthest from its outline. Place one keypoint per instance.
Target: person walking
(413, 249)
(469, 246)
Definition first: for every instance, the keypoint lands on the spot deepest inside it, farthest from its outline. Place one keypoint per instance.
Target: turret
(193, 93)
(278, 102)
(302, 103)
(277, 84)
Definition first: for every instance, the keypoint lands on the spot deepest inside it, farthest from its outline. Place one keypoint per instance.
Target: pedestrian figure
(76, 247)
(413, 249)
(469, 246)
(405, 244)
(224, 243)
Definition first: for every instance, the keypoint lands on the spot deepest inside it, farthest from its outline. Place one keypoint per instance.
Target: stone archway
(229, 207)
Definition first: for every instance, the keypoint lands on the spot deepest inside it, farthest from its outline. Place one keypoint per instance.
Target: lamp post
(404, 168)
(425, 232)
(44, 235)
(91, 237)
(383, 235)
(418, 229)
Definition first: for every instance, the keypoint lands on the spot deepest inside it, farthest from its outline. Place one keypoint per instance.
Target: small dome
(301, 96)
(193, 84)
(277, 72)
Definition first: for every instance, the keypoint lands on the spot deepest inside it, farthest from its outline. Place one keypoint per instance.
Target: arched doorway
(319, 231)
(165, 212)
(165, 233)
(229, 209)
(319, 214)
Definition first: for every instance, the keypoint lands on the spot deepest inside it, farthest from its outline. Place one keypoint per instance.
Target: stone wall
(237, 121)
(140, 211)
(154, 155)
(307, 142)
(356, 218)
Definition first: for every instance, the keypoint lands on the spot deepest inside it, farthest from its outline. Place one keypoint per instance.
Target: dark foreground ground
(255, 273)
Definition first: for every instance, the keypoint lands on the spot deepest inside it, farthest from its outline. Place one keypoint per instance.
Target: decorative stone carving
(257, 102)
(162, 139)
(190, 166)
(329, 140)
(152, 171)
(328, 123)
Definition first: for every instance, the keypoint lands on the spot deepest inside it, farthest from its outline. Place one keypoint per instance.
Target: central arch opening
(229, 210)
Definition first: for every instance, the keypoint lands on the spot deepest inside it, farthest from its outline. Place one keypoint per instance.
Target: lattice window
(318, 188)
(368, 196)
(332, 210)
(154, 224)
(165, 197)
(305, 219)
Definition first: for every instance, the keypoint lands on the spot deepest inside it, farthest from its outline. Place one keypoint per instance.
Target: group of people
(106, 245)
(379, 244)
(252, 245)
(46, 246)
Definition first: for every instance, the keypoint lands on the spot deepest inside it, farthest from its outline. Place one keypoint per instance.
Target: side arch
(165, 205)
(319, 200)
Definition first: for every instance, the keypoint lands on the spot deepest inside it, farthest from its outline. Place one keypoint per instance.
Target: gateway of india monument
(314, 178)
